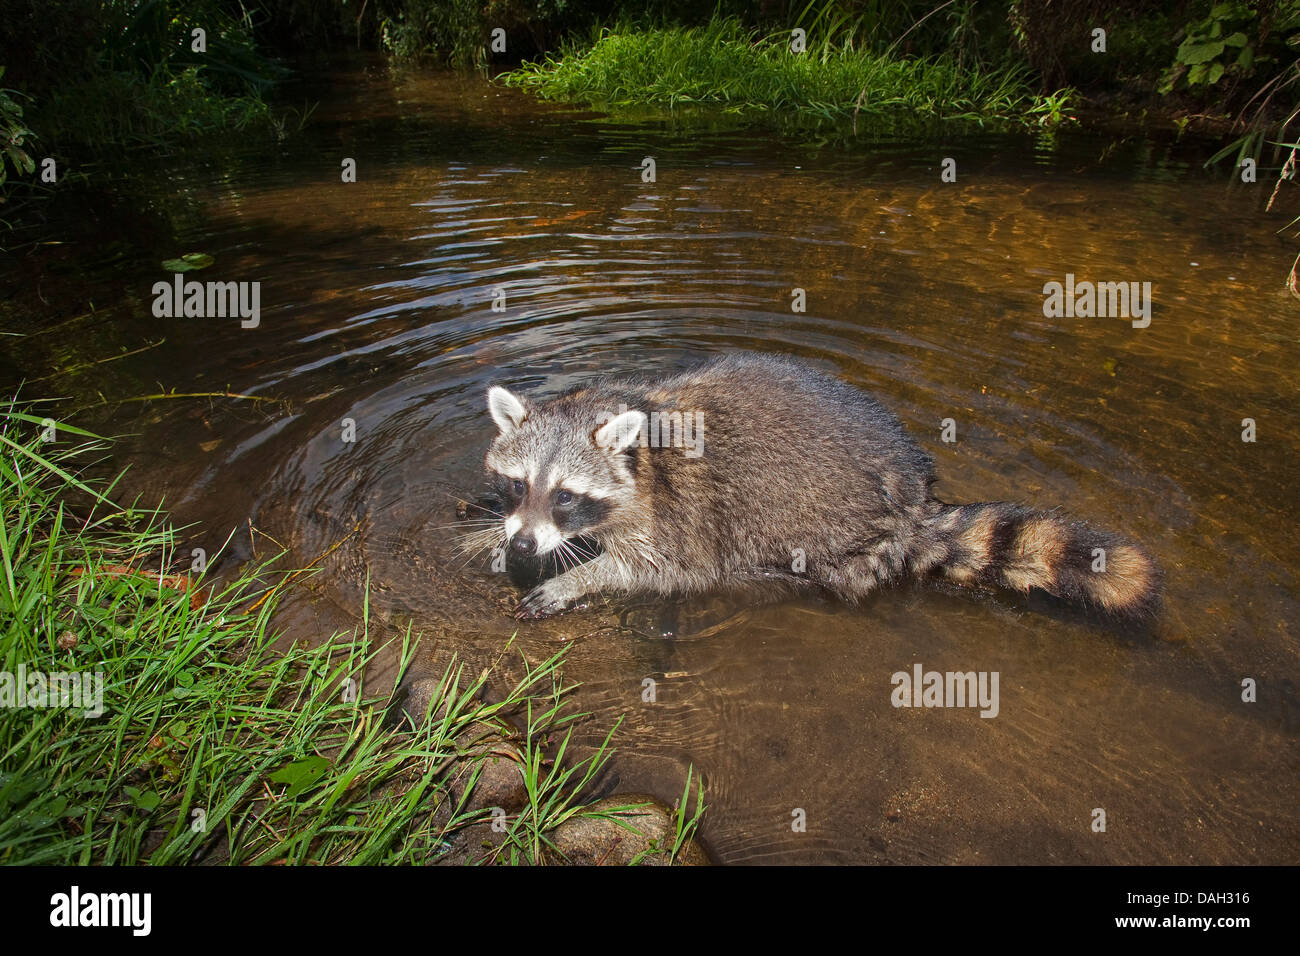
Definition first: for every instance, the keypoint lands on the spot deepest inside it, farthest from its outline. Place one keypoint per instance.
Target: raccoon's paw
(548, 600)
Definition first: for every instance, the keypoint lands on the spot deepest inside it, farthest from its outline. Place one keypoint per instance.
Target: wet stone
(644, 836)
(500, 782)
(412, 702)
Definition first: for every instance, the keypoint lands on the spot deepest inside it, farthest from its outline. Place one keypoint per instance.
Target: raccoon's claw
(542, 602)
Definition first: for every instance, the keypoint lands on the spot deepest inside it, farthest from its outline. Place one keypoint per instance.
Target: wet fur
(793, 459)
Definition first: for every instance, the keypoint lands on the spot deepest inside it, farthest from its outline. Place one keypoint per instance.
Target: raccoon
(762, 472)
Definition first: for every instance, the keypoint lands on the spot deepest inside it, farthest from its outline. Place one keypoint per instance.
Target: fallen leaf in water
(209, 445)
(189, 262)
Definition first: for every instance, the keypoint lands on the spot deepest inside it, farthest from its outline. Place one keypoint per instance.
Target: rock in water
(644, 835)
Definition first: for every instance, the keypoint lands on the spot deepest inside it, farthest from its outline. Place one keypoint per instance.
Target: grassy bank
(108, 75)
(187, 737)
(724, 64)
(88, 83)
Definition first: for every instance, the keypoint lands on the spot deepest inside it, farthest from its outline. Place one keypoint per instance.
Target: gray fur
(794, 462)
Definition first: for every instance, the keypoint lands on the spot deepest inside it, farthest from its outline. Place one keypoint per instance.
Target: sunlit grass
(214, 746)
(722, 64)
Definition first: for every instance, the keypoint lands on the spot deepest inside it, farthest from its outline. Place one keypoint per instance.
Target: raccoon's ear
(507, 409)
(619, 432)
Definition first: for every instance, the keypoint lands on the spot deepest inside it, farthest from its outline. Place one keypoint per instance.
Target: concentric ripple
(492, 239)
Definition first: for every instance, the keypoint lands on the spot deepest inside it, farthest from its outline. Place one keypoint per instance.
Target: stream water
(377, 306)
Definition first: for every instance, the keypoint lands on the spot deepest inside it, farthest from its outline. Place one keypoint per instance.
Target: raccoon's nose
(524, 544)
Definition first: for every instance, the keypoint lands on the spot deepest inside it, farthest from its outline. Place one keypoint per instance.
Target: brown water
(376, 306)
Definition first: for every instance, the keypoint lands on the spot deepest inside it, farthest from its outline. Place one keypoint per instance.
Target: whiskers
(479, 526)
(572, 552)
(470, 544)
(486, 530)
(478, 539)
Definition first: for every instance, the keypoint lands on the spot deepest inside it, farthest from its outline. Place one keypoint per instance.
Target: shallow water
(377, 307)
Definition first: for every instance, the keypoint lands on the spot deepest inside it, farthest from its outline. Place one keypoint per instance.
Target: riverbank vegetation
(89, 78)
(146, 715)
(723, 64)
(218, 745)
(97, 74)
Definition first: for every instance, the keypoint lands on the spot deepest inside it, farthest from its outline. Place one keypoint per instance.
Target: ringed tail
(1020, 548)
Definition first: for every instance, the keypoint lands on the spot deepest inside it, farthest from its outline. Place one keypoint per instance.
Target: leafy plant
(1224, 41)
(13, 136)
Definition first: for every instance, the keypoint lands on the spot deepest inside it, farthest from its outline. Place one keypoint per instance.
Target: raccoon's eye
(564, 498)
(518, 487)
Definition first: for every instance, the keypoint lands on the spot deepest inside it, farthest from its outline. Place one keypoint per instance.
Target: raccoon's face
(561, 471)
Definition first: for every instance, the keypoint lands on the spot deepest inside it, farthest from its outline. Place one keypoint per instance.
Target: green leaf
(1194, 53)
(21, 160)
(145, 800)
(1237, 39)
(189, 262)
(300, 775)
(15, 789)
(1197, 73)
(60, 426)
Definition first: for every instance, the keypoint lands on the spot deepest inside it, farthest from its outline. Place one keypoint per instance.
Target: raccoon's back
(792, 457)
(784, 414)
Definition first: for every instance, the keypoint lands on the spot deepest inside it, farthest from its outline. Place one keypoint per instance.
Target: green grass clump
(722, 64)
(124, 110)
(100, 77)
(212, 745)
